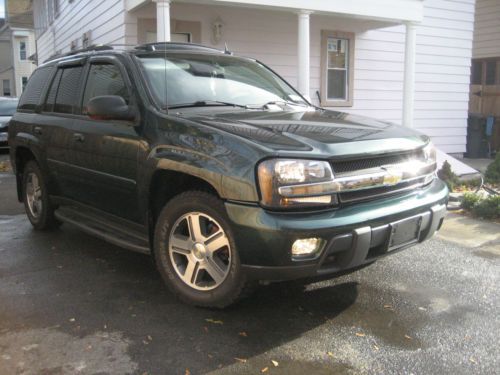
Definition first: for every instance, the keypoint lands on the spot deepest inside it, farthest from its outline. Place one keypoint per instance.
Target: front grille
(368, 194)
(348, 166)
(355, 167)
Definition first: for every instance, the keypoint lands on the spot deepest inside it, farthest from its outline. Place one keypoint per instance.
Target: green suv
(218, 168)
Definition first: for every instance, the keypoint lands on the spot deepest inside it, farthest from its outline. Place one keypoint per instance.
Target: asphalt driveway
(70, 303)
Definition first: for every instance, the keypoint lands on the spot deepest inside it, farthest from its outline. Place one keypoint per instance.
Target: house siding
(444, 50)
(487, 29)
(105, 19)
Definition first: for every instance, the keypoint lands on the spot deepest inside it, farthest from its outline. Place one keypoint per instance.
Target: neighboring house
(485, 80)
(405, 61)
(17, 44)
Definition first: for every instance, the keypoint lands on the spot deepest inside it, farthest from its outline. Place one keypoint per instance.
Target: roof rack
(94, 47)
(175, 46)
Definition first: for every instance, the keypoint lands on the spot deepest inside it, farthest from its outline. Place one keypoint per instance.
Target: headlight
(291, 183)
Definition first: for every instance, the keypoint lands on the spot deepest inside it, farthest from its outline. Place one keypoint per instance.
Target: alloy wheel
(200, 251)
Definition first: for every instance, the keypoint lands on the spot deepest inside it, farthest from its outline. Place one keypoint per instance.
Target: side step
(105, 228)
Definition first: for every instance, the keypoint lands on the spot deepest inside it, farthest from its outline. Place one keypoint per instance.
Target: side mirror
(109, 107)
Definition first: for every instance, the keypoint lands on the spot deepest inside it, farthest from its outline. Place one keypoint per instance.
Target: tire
(36, 198)
(187, 256)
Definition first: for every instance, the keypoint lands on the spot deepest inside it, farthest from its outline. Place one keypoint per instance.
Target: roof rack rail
(94, 47)
(172, 46)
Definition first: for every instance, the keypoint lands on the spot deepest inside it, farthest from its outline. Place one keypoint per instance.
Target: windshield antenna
(226, 49)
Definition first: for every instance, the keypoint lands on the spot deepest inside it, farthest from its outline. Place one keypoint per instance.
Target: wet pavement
(70, 303)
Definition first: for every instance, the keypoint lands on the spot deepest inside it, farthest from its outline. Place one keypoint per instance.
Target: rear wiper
(206, 103)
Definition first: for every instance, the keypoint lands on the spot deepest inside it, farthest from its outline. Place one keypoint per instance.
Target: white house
(17, 44)
(406, 61)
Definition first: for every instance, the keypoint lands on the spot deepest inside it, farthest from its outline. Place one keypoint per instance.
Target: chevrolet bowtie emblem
(393, 177)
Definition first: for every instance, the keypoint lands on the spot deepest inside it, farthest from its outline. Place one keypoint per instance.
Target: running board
(105, 229)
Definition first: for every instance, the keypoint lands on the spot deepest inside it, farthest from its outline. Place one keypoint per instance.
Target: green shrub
(447, 175)
(493, 172)
(470, 200)
(488, 208)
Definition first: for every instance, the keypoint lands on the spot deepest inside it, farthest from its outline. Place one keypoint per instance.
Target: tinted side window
(104, 79)
(51, 96)
(31, 95)
(67, 92)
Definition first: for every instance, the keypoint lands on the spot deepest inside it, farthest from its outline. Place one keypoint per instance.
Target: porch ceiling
(384, 10)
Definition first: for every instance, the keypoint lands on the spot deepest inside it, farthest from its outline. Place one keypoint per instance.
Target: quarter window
(34, 87)
(337, 64)
(67, 92)
(104, 79)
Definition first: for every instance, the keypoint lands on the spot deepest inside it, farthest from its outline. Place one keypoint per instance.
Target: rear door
(106, 150)
(58, 118)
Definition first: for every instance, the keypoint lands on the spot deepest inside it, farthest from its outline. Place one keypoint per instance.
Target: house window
(6, 87)
(24, 82)
(337, 68)
(491, 72)
(57, 8)
(477, 73)
(22, 50)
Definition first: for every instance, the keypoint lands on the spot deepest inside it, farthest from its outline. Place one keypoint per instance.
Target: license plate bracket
(404, 232)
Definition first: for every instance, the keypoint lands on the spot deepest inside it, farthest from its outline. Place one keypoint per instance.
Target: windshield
(184, 79)
(8, 107)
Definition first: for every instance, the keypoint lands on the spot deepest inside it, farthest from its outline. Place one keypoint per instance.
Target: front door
(106, 150)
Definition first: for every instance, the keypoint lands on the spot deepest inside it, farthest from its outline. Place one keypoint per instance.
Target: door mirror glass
(109, 107)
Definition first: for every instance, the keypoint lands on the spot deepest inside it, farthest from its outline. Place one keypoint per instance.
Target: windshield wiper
(206, 103)
(278, 102)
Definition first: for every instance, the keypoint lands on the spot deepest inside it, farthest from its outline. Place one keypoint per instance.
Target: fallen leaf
(275, 363)
(145, 342)
(205, 328)
(472, 360)
(150, 338)
(72, 319)
(330, 354)
(359, 334)
(214, 321)
(244, 334)
(187, 372)
(422, 308)
(408, 337)
(242, 360)
(388, 307)
(264, 369)
(210, 356)
(376, 347)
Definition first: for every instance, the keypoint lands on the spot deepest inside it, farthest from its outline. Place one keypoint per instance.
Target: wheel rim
(34, 195)
(199, 250)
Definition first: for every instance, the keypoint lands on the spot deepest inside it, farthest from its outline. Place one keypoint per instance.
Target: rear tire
(195, 251)
(36, 198)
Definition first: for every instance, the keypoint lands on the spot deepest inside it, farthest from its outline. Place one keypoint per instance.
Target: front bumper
(355, 235)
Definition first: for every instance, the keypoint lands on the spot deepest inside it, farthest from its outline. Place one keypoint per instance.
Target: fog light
(306, 247)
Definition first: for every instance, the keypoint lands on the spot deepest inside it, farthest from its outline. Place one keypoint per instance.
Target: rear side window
(104, 79)
(31, 95)
(67, 93)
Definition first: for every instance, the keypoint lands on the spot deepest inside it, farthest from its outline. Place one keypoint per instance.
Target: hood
(317, 131)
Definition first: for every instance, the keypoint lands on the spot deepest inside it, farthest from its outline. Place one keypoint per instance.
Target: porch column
(162, 20)
(303, 50)
(409, 75)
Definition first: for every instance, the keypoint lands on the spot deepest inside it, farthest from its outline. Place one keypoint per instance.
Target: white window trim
(325, 102)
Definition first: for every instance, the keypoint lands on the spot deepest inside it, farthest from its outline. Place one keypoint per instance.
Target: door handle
(37, 130)
(78, 137)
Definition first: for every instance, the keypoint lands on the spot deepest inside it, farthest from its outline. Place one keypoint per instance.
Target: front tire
(36, 198)
(195, 251)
